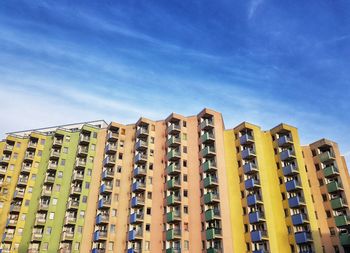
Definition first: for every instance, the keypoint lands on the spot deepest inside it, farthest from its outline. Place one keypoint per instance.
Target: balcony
(246, 139)
(52, 167)
(40, 220)
(26, 169)
(248, 154)
(18, 195)
(209, 166)
(212, 214)
(207, 124)
(8, 149)
(208, 152)
(173, 234)
(137, 202)
(80, 164)
(213, 233)
(172, 217)
(27, 157)
(83, 151)
(104, 203)
(72, 204)
(135, 250)
(44, 206)
(57, 142)
(135, 235)
(210, 182)
(251, 184)
(250, 168)
(111, 149)
(173, 155)
(330, 171)
(207, 138)
(8, 237)
(334, 187)
(54, 155)
(327, 157)
(211, 197)
(142, 132)
(299, 219)
(100, 236)
(23, 181)
(37, 236)
(342, 220)
(12, 222)
(293, 185)
(296, 202)
(49, 179)
(258, 235)
(285, 141)
(344, 239)
(140, 172)
(174, 129)
(3, 170)
(338, 203)
(173, 250)
(287, 155)
(46, 192)
(256, 217)
(136, 218)
(106, 189)
(102, 219)
(174, 142)
(107, 174)
(173, 184)
(140, 158)
(141, 145)
(290, 170)
(70, 220)
(173, 169)
(112, 136)
(254, 199)
(78, 176)
(84, 139)
(138, 187)
(75, 190)
(173, 200)
(109, 161)
(32, 145)
(303, 237)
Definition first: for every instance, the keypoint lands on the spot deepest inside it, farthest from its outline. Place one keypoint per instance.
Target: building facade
(182, 184)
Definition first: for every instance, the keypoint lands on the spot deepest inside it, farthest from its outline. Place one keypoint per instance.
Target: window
(93, 147)
(76, 246)
(151, 153)
(30, 189)
(120, 156)
(149, 195)
(184, 149)
(51, 216)
(150, 166)
(91, 159)
(119, 169)
(186, 245)
(112, 228)
(317, 167)
(23, 217)
(15, 155)
(121, 144)
(54, 201)
(116, 197)
(185, 178)
(82, 214)
(117, 182)
(184, 163)
(36, 165)
(40, 152)
(148, 227)
(114, 212)
(122, 131)
(84, 199)
(332, 231)
(324, 197)
(185, 193)
(186, 226)
(48, 230)
(45, 245)
(67, 138)
(89, 172)
(320, 181)
(150, 179)
(328, 213)
(110, 246)
(94, 135)
(184, 123)
(63, 162)
(148, 211)
(65, 150)
(152, 140)
(147, 245)
(87, 185)
(20, 231)
(58, 187)
(1, 204)
(42, 141)
(12, 167)
(153, 127)
(26, 203)
(185, 209)
(245, 228)
(33, 177)
(18, 144)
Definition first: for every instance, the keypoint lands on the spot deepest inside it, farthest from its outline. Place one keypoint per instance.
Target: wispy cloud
(253, 6)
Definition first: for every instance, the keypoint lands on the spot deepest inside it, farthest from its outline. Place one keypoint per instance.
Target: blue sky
(261, 61)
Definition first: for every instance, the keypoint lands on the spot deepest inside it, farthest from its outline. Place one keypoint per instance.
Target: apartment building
(182, 184)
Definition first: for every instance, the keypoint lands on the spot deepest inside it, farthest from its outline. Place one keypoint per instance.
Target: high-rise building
(183, 184)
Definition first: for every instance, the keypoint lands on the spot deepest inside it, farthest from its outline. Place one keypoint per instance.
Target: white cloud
(253, 6)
